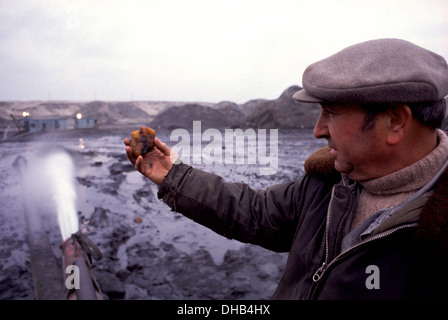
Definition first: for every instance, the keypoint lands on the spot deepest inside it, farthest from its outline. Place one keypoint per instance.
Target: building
(33, 125)
(50, 124)
(85, 123)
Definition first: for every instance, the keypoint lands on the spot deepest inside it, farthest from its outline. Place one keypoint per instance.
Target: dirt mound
(119, 112)
(183, 117)
(283, 112)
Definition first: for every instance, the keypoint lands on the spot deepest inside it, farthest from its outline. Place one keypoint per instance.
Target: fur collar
(320, 163)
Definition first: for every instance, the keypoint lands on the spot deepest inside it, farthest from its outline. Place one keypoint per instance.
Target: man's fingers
(129, 154)
(162, 147)
(138, 163)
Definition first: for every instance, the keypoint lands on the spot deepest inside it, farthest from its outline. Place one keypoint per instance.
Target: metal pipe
(77, 251)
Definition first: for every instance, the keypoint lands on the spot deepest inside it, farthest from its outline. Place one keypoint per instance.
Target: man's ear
(399, 118)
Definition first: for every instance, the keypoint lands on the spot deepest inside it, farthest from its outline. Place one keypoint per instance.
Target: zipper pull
(318, 274)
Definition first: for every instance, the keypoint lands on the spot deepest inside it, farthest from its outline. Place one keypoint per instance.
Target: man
(369, 219)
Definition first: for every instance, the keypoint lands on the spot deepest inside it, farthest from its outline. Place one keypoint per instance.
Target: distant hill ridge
(283, 112)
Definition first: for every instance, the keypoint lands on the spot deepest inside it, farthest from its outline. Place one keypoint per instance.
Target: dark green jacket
(406, 258)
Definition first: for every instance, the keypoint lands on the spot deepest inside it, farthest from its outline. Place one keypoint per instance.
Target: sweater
(388, 191)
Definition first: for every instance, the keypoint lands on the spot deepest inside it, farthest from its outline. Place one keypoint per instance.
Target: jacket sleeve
(264, 217)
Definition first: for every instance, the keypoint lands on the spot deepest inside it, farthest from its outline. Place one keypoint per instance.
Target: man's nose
(320, 128)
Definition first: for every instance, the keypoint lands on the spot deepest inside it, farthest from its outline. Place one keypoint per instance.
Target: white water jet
(60, 174)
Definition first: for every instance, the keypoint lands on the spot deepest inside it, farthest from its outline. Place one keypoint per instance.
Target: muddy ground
(149, 251)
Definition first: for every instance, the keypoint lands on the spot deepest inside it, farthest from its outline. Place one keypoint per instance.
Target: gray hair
(430, 114)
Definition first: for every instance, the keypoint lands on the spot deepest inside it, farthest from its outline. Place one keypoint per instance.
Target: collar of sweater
(413, 177)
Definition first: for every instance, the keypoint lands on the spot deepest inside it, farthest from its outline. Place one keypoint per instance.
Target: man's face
(360, 154)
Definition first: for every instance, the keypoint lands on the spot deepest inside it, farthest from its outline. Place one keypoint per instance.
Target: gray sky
(191, 50)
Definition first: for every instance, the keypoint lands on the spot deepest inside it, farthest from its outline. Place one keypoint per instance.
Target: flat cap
(377, 71)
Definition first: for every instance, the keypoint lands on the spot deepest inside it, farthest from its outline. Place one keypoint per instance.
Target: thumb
(162, 147)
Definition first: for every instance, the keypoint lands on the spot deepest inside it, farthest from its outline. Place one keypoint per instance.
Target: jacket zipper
(317, 275)
(325, 265)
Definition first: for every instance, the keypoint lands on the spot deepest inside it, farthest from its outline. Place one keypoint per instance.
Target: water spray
(56, 175)
(47, 277)
(59, 171)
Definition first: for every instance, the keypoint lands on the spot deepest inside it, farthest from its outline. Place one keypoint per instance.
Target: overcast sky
(191, 50)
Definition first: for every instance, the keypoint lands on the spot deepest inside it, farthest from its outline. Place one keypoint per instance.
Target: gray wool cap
(377, 71)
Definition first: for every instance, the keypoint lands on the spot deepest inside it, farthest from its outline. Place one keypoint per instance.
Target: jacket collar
(432, 225)
(433, 222)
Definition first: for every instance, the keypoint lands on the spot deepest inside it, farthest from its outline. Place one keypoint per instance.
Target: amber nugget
(142, 141)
